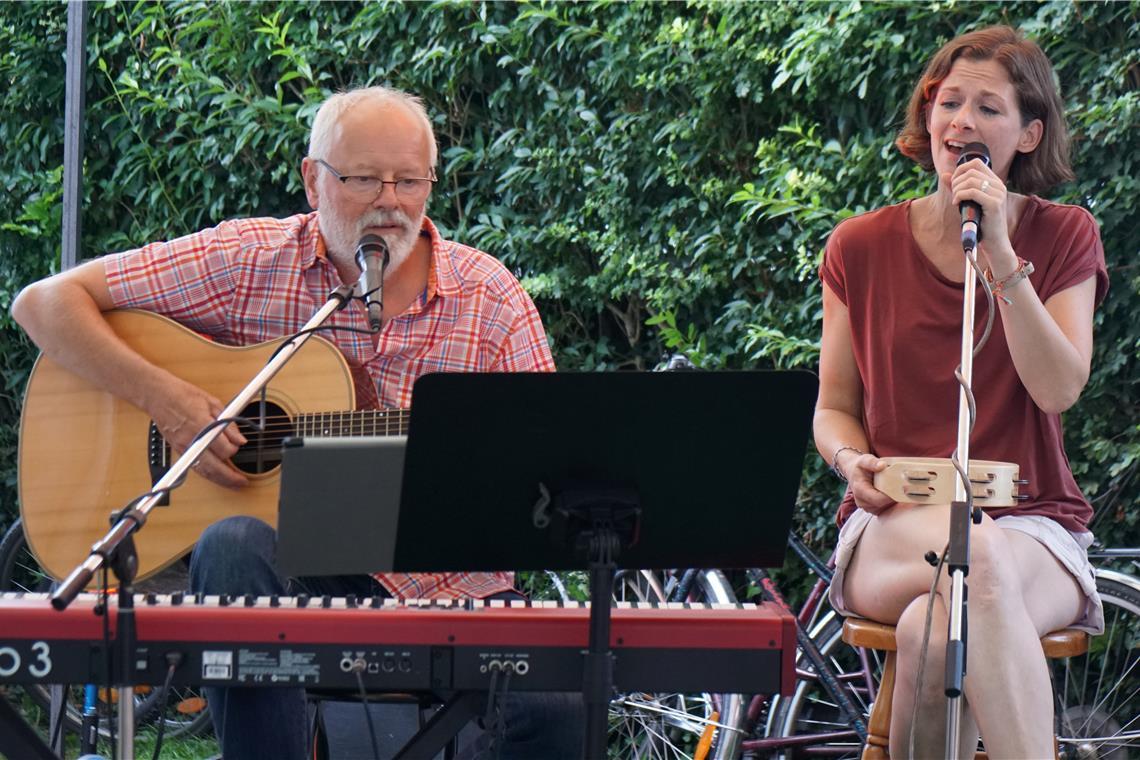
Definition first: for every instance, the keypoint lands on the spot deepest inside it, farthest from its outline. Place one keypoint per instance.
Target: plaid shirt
(251, 280)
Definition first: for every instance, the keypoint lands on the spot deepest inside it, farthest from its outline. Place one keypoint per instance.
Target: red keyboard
(392, 645)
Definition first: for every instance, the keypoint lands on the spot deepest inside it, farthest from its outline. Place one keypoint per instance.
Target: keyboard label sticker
(284, 666)
(217, 665)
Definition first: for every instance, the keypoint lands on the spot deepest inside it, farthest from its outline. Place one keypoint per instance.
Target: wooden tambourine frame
(929, 480)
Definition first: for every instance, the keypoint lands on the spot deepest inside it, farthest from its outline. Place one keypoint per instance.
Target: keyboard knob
(199, 598)
(275, 601)
(375, 602)
(152, 598)
(176, 598)
(302, 600)
(350, 600)
(224, 600)
(326, 601)
(250, 600)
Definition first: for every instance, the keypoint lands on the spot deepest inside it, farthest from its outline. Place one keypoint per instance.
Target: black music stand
(637, 470)
(510, 471)
(714, 457)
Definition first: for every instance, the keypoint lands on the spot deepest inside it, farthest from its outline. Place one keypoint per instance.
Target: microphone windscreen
(973, 150)
(371, 240)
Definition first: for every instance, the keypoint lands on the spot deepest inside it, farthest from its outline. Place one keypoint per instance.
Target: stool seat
(859, 632)
(1068, 642)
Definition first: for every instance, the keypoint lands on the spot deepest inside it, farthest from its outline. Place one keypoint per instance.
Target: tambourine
(928, 480)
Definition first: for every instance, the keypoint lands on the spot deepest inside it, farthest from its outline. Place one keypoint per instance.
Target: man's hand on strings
(181, 411)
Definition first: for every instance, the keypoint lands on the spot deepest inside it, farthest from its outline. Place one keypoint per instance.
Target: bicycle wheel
(184, 711)
(19, 570)
(1098, 693)
(811, 712)
(674, 725)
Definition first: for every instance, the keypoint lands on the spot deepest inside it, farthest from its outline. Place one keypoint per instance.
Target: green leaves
(662, 176)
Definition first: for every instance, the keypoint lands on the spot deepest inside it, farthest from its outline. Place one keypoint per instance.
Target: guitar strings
(316, 424)
(339, 420)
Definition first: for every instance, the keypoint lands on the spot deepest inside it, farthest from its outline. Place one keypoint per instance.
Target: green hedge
(662, 176)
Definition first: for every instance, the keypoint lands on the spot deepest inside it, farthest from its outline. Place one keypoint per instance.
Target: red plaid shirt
(251, 280)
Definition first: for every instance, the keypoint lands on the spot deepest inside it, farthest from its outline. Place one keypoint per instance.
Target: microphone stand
(116, 549)
(961, 513)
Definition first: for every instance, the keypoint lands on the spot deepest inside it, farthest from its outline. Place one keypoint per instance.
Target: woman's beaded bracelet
(835, 460)
(1024, 269)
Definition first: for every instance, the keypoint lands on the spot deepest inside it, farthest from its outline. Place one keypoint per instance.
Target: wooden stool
(871, 635)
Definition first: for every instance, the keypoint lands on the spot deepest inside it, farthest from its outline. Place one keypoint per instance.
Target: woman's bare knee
(994, 577)
(911, 628)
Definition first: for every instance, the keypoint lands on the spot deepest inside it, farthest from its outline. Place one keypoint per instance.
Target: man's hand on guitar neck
(181, 410)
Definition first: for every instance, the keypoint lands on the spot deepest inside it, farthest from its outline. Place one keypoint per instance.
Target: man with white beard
(446, 307)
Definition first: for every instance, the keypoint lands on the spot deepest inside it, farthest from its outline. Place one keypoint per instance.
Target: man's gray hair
(336, 105)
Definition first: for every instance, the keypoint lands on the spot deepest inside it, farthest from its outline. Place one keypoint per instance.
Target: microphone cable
(928, 627)
(357, 667)
(173, 660)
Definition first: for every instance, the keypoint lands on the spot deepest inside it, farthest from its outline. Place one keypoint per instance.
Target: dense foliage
(661, 175)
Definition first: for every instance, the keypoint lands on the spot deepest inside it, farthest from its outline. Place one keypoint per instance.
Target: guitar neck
(373, 422)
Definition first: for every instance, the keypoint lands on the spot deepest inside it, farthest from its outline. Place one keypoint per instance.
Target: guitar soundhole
(262, 453)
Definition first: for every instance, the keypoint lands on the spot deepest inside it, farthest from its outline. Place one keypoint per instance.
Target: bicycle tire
(20, 572)
(1098, 693)
(671, 725)
(810, 712)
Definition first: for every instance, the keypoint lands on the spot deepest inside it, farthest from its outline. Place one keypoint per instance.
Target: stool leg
(879, 723)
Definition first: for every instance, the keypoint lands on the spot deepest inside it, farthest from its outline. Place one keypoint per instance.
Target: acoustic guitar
(84, 453)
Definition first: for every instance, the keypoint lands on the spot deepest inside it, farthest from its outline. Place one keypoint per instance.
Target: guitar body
(85, 453)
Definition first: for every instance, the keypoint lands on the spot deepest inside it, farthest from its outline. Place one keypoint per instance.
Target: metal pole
(955, 637)
(74, 105)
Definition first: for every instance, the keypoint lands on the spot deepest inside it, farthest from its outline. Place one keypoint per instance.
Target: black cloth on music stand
(714, 458)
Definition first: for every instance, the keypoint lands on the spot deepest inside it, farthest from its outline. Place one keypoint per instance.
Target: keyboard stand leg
(448, 721)
(56, 709)
(17, 738)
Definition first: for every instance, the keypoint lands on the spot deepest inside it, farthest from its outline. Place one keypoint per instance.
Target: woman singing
(892, 326)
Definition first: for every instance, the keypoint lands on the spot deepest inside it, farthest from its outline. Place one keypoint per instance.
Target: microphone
(971, 211)
(372, 258)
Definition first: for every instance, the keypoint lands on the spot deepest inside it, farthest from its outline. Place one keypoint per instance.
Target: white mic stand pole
(958, 560)
(104, 552)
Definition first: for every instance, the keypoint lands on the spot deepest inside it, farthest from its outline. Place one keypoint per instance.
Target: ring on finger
(985, 185)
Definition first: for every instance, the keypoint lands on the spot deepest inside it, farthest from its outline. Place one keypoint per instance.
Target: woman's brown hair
(1037, 98)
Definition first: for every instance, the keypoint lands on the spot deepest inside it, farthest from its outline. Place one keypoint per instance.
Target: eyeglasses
(411, 189)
